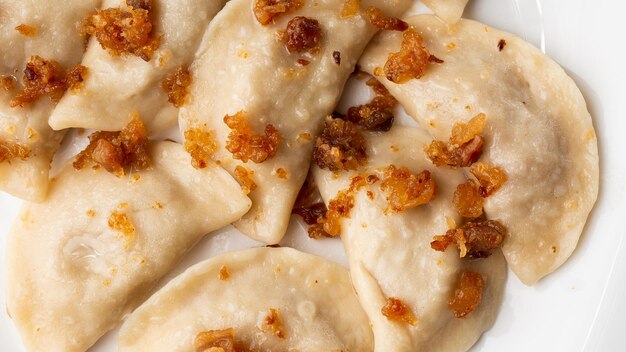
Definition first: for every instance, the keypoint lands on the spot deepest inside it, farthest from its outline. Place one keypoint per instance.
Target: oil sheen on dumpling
(538, 130)
(57, 38)
(243, 67)
(120, 85)
(448, 10)
(85, 258)
(313, 300)
(390, 254)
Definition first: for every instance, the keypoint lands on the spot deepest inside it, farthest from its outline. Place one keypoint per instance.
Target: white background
(581, 307)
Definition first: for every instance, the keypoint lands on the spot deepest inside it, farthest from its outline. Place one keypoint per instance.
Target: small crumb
(224, 274)
(26, 30)
(282, 173)
(91, 213)
(501, 44)
(337, 57)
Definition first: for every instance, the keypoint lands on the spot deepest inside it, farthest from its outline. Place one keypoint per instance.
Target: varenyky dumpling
(538, 131)
(27, 144)
(85, 258)
(274, 77)
(262, 299)
(120, 84)
(403, 284)
(448, 10)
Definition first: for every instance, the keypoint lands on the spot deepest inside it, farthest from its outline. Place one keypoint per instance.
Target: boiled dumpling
(276, 81)
(85, 258)
(47, 29)
(119, 85)
(538, 131)
(267, 299)
(391, 260)
(448, 10)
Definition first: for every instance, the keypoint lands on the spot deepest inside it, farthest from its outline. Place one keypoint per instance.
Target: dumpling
(403, 284)
(538, 131)
(27, 144)
(268, 299)
(119, 85)
(85, 258)
(274, 84)
(448, 10)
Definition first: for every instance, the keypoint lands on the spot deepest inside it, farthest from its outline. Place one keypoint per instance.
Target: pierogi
(315, 308)
(246, 68)
(538, 131)
(390, 254)
(448, 10)
(85, 258)
(55, 37)
(119, 85)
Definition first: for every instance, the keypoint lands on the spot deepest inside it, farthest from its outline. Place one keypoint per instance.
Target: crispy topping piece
(405, 190)
(8, 83)
(501, 44)
(117, 152)
(490, 178)
(338, 208)
(337, 57)
(76, 77)
(26, 30)
(310, 207)
(377, 115)
(201, 145)
(475, 239)
(468, 200)
(378, 19)
(396, 310)
(176, 85)
(274, 324)
(411, 61)
(468, 294)
(224, 274)
(45, 77)
(245, 178)
(302, 34)
(216, 341)
(10, 150)
(123, 32)
(245, 145)
(464, 147)
(267, 11)
(341, 146)
(350, 8)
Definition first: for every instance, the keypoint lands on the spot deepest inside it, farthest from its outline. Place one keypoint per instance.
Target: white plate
(578, 308)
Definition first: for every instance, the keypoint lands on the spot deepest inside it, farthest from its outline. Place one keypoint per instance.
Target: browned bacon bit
(375, 115)
(337, 57)
(467, 295)
(7, 83)
(117, 152)
(40, 77)
(464, 148)
(396, 310)
(267, 11)
(338, 208)
(245, 178)
(124, 31)
(303, 62)
(467, 200)
(405, 190)
(475, 239)
(350, 8)
(411, 61)
(310, 207)
(76, 77)
(11, 150)
(341, 146)
(26, 30)
(245, 145)
(490, 178)
(224, 273)
(501, 44)
(201, 145)
(378, 19)
(176, 85)
(274, 324)
(217, 341)
(433, 58)
(302, 34)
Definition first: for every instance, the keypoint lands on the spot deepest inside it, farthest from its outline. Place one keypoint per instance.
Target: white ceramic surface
(581, 307)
